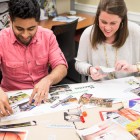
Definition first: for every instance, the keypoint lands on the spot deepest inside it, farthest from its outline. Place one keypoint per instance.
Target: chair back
(65, 34)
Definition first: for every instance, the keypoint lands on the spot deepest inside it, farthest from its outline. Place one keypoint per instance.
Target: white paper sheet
(118, 88)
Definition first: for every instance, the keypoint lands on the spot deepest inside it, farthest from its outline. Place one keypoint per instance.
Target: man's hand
(5, 109)
(40, 91)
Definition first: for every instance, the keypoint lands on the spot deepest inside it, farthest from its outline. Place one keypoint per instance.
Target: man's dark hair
(24, 9)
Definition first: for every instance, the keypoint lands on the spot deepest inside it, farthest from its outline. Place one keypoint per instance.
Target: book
(105, 130)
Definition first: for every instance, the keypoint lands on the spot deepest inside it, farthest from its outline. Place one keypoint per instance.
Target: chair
(65, 34)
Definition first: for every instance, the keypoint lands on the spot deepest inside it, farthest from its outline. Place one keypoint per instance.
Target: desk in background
(80, 27)
(82, 24)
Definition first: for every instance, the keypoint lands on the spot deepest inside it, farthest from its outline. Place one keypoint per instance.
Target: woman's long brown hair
(116, 7)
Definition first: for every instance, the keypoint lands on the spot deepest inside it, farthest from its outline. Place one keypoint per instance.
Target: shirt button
(30, 73)
(29, 61)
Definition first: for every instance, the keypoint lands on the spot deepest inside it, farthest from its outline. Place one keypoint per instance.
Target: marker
(82, 119)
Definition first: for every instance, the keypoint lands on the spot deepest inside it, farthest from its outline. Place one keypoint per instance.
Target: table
(82, 24)
(41, 131)
(57, 118)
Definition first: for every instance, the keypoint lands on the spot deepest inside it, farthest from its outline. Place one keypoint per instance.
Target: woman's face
(109, 24)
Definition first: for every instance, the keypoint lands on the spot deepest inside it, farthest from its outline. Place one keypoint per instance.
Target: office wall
(90, 6)
(63, 6)
(132, 5)
(92, 2)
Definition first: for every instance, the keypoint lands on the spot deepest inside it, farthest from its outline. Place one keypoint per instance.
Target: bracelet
(138, 66)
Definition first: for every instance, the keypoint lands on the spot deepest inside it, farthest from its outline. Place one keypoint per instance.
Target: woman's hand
(124, 66)
(95, 73)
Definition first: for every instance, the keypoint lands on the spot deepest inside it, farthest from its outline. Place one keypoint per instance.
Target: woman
(111, 42)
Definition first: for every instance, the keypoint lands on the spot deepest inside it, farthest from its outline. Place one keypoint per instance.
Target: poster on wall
(4, 15)
(49, 7)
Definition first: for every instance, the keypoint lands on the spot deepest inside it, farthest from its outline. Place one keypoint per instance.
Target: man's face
(24, 29)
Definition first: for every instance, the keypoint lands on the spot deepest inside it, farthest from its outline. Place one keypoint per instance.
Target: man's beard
(26, 43)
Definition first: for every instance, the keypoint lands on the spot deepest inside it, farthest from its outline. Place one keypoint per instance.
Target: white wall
(132, 5)
(90, 6)
(63, 6)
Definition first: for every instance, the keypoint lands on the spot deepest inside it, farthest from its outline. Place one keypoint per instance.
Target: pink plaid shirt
(24, 66)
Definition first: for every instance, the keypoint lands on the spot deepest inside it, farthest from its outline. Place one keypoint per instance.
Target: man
(26, 51)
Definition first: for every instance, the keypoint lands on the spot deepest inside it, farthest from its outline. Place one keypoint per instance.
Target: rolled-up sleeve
(84, 53)
(56, 56)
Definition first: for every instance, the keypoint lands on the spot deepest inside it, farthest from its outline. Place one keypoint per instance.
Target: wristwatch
(138, 66)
